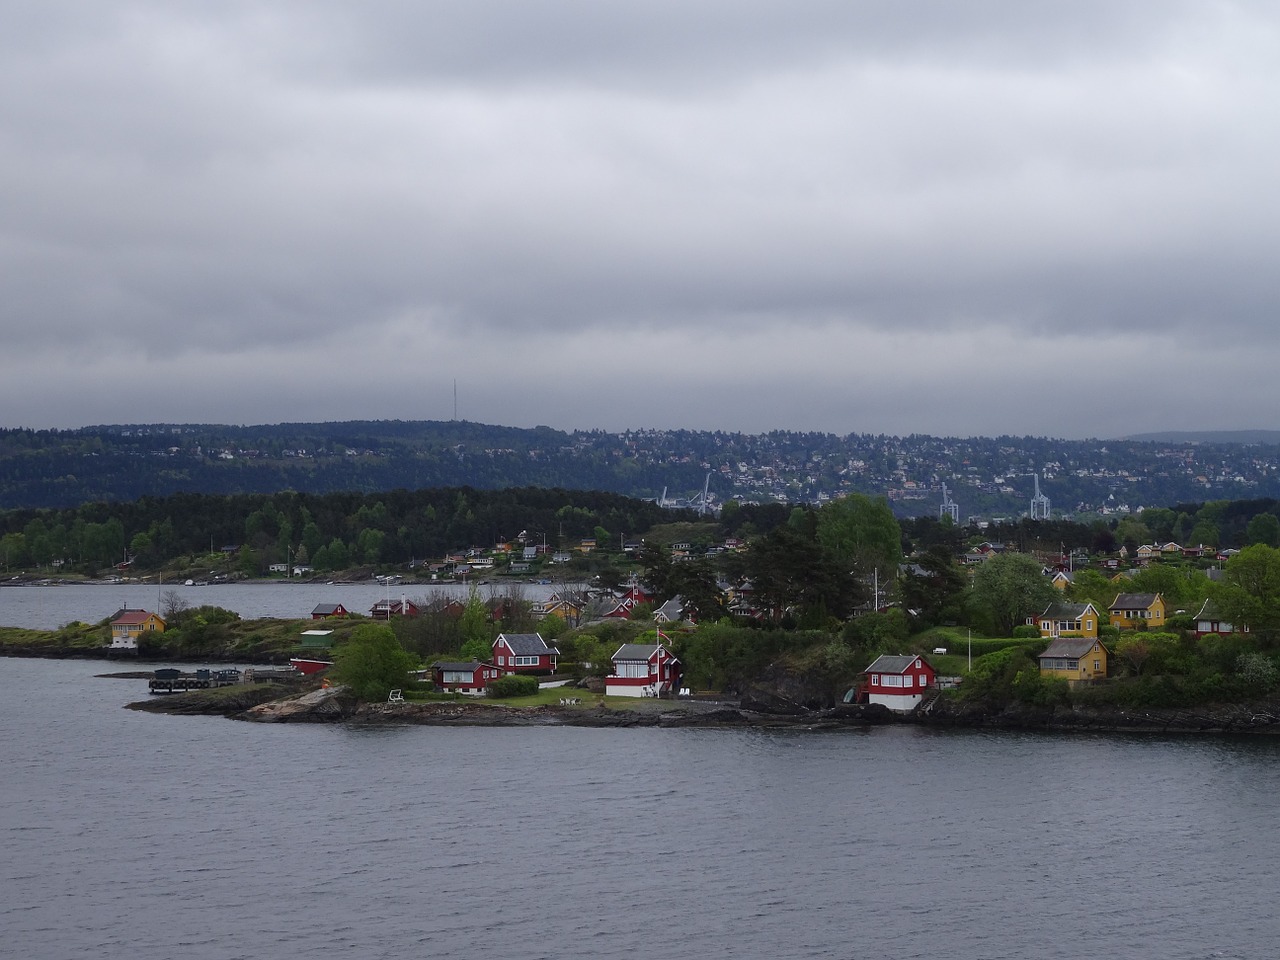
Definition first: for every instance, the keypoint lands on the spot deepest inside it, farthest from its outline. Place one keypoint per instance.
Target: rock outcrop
(325, 705)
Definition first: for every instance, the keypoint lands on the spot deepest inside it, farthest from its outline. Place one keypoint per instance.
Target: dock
(168, 680)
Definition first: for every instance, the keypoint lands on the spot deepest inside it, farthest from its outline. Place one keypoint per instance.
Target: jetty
(168, 680)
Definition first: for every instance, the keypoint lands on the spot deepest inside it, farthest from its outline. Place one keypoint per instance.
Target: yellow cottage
(1074, 658)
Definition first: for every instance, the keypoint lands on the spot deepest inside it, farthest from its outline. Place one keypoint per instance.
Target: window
(1097, 666)
(875, 679)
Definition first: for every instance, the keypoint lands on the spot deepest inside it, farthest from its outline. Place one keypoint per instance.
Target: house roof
(127, 616)
(1066, 611)
(469, 667)
(1134, 601)
(894, 663)
(1073, 647)
(527, 644)
(642, 652)
(673, 609)
(1208, 611)
(325, 608)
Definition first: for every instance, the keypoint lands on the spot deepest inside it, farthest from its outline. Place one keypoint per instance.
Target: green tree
(936, 593)
(372, 663)
(473, 625)
(1264, 529)
(1011, 587)
(1256, 570)
(862, 534)
(1132, 533)
(552, 626)
(795, 575)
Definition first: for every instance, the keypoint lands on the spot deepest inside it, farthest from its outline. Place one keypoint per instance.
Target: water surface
(132, 835)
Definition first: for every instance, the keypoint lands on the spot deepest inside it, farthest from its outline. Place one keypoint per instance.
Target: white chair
(395, 696)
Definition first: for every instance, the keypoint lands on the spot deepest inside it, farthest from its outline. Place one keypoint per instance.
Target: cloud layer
(886, 217)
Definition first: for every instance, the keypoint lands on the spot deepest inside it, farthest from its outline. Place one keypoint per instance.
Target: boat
(308, 667)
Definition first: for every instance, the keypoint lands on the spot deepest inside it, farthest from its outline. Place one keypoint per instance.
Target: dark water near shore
(133, 835)
(51, 607)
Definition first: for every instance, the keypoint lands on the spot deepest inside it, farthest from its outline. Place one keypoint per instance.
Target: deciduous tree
(372, 662)
(1011, 587)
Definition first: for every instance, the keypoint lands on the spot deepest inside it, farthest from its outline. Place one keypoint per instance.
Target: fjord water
(132, 835)
(51, 607)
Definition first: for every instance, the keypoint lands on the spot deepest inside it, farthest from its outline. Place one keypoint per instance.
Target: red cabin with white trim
(524, 653)
(470, 677)
(642, 670)
(899, 682)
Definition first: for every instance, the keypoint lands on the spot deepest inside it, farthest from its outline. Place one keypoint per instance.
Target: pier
(168, 680)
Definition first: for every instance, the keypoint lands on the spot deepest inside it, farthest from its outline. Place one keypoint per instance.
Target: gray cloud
(930, 217)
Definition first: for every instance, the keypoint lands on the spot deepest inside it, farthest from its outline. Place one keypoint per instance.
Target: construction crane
(949, 507)
(1039, 503)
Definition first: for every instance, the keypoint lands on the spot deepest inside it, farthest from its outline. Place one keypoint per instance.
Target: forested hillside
(331, 531)
(988, 477)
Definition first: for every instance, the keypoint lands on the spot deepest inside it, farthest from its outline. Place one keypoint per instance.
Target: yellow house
(1074, 658)
(1130, 609)
(128, 625)
(1069, 620)
(567, 606)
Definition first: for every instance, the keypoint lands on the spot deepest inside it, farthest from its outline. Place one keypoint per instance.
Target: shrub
(512, 685)
(1257, 671)
(1026, 631)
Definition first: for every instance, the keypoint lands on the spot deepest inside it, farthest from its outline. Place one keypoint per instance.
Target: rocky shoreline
(272, 704)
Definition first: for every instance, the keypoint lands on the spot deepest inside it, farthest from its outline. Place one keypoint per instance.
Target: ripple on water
(133, 835)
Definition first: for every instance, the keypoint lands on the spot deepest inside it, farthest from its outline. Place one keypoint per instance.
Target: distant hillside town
(970, 479)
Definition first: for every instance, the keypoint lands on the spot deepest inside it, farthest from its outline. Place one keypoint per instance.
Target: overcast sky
(888, 217)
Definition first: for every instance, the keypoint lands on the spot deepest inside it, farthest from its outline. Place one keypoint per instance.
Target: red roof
(134, 616)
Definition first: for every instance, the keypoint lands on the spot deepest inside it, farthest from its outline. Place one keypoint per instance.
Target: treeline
(62, 468)
(329, 531)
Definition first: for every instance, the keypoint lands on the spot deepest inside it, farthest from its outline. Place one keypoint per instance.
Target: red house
(324, 610)
(386, 609)
(524, 653)
(1209, 620)
(470, 677)
(899, 682)
(642, 670)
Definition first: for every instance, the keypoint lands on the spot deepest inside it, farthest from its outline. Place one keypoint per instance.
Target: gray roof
(1074, 647)
(1134, 601)
(893, 663)
(1209, 611)
(469, 667)
(527, 644)
(1065, 611)
(323, 608)
(638, 651)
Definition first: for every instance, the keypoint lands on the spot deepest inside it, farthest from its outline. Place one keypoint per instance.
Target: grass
(547, 697)
(957, 640)
(73, 635)
(551, 697)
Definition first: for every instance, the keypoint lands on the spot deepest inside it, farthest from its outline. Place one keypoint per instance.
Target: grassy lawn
(957, 640)
(550, 697)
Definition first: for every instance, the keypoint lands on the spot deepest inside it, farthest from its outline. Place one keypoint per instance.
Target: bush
(512, 685)
(1026, 631)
